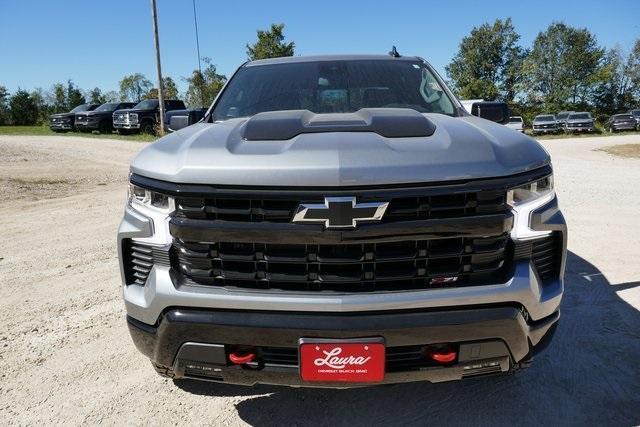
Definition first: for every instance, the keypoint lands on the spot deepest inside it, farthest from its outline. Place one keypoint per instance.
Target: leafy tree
(563, 66)
(74, 96)
(170, 90)
(204, 86)
(5, 115)
(59, 98)
(270, 44)
(44, 109)
(488, 62)
(633, 69)
(96, 96)
(111, 96)
(24, 110)
(133, 87)
(614, 91)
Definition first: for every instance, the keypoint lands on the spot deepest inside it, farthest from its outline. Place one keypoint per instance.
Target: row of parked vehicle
(124, 117)
(574, 122)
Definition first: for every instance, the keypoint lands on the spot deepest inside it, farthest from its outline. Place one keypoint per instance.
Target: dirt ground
(66, 356)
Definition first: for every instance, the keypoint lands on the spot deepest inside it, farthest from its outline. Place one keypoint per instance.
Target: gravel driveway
(66, 357)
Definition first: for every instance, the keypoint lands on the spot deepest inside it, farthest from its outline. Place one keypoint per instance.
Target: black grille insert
(401, 207)
(411, 264)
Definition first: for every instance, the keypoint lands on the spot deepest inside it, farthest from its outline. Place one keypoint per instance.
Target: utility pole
(195, 21)
(154, 15)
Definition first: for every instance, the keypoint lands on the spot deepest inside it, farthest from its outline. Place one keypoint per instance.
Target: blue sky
(95, 43)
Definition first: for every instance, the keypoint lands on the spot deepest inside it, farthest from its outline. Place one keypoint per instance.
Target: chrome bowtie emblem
(340, 212)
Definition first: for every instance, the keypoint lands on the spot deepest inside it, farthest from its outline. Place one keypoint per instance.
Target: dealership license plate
(346, 361)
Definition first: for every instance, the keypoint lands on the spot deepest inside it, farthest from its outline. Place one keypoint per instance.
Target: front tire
(147, 128)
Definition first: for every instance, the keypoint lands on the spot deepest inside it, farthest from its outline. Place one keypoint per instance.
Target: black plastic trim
(267, 232)
(386, 191)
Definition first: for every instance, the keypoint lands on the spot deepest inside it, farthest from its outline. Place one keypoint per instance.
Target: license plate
(347, 361)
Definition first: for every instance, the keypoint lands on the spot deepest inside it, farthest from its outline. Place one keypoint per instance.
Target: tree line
(34, 107)
(564, 69)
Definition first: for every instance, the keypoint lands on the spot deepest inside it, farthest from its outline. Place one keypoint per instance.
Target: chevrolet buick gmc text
(340, 221)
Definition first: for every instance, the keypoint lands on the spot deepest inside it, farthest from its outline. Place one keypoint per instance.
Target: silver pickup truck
(340, 221)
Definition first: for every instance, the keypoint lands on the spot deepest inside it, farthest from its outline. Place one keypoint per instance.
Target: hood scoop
(387, 122)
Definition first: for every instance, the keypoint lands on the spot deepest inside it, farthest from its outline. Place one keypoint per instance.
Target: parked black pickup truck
(65, 122)
(177, 119)
(100, 119)
(144, 117)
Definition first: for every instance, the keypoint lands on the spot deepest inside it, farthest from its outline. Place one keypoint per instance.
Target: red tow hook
(447, 355)
(241, 358)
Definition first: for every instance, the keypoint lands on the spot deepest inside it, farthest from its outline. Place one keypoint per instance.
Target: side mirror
(178, 122)
(495, 111)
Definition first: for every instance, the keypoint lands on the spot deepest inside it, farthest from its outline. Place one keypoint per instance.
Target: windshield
(341, 86)
(515, 120)
(579, 116)
(107, 107)
(147, 104)
(623, 116)
(80, 108)
(544, 119)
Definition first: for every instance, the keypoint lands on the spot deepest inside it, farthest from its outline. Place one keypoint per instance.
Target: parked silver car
(545, 123)
(579, 122)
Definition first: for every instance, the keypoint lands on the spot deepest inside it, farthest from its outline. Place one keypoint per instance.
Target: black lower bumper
(196, 343)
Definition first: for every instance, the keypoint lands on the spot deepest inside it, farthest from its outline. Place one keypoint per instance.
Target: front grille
(546, 255)
(397, 358)
(401, 208)
(411, 264)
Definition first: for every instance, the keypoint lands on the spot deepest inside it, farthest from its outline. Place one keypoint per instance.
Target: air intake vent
(546, 256)
(139, 258)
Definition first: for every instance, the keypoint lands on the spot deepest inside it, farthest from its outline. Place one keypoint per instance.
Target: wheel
(163, 371)
(147, 127)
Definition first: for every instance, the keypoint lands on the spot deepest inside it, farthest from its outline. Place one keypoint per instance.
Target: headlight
(146, 199)
(525, 199)
(133, 117)
(530, 191)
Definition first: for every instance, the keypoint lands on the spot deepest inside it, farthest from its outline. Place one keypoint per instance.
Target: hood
(545, 122)
(123, 110)
(62, 115)
(580, 120)
(460, 148)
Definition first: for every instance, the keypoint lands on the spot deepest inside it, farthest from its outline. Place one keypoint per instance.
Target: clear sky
(95, 43)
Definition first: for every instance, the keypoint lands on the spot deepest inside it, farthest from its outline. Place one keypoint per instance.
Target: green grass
(44, 130)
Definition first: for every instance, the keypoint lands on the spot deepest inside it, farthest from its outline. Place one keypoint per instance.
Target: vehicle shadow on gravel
(589, 374)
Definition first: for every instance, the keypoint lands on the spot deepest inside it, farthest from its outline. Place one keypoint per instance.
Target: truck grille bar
(411, 264)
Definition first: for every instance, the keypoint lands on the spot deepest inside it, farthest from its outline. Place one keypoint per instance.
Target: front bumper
(580, 129)
(196, 343)
(128, 126)
(60, 126)
(544, 130)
